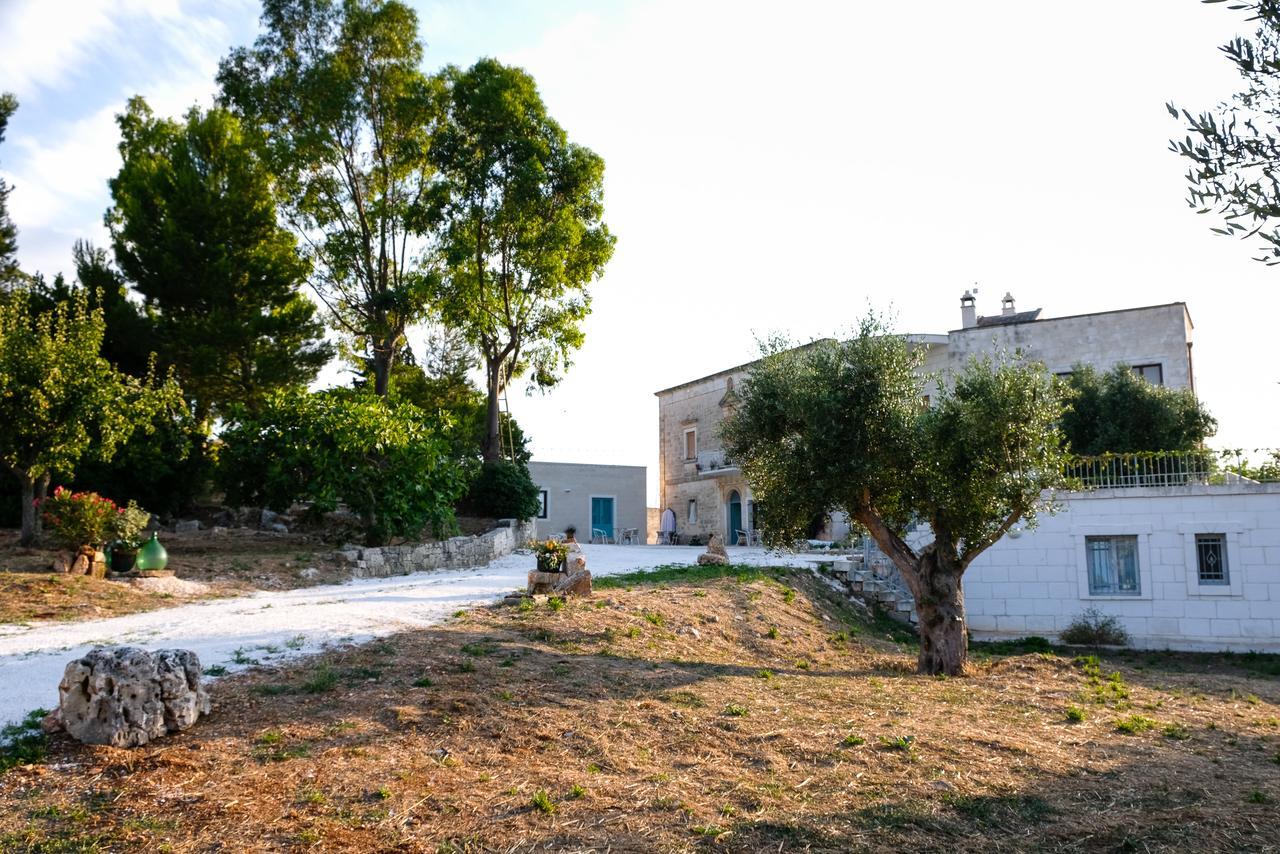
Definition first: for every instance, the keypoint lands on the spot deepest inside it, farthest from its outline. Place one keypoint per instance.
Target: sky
(770, 168)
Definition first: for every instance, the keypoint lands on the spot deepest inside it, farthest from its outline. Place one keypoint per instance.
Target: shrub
(385, 461)
(502, 490)
(1093, 628)
(128, 525)
(79, 518)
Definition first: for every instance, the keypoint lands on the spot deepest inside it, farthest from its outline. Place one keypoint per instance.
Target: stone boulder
(715, 555)
(125, 696)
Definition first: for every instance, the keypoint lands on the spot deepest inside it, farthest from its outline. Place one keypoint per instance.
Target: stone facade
(453, 553)
(693, 472)
(1038, 582)
(569, 488)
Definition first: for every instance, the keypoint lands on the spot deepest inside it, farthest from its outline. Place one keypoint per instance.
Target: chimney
(1006, 305)
(968, 311)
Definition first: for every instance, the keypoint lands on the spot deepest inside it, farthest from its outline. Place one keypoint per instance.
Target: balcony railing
(715, 462)
(1162, 468)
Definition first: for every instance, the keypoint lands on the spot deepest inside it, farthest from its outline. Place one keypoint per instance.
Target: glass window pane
(1211, 558)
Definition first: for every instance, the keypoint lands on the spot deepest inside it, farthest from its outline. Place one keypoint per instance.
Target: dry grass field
(748, 712)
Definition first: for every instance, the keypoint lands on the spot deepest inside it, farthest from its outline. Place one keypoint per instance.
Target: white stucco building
(1191, 567)
(605, 501)
(708, 494)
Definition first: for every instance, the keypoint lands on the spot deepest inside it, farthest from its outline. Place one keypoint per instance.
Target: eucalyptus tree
(344, 117)
(520, 211)
(843, 426)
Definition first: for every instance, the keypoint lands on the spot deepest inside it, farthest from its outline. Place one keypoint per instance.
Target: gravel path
(271, 626)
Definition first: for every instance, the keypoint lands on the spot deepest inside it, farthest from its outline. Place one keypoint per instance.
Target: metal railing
(1168, 468)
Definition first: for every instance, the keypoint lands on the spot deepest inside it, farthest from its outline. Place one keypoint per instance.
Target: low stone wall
(453, 553)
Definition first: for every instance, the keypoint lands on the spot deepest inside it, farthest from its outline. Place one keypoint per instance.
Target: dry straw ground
(745, 713)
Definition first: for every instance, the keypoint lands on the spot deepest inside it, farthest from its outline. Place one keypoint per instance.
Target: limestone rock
(711, 558)
(125, 696)
(89, 561)
(186, 526)
(715, 546)
(574, 583)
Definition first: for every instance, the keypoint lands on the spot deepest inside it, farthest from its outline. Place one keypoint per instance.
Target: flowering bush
(129, 524)
(550, 554)
(79, 518)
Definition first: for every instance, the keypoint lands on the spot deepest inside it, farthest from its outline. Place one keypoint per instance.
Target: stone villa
(708, 493)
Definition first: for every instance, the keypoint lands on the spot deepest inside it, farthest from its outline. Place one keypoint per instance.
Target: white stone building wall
(1037, 583)
(1138, 336)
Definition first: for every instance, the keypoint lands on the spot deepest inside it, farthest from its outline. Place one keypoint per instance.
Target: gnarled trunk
(944, 641)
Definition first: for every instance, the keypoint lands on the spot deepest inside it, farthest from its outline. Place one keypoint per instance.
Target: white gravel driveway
(271, 626)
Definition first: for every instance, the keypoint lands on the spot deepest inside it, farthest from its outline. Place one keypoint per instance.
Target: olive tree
(842, 426)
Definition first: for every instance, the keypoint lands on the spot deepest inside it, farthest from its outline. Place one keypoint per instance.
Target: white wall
(569, 488)
(1036, 583)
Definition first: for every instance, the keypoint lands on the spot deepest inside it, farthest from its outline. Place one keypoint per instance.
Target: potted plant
(550, 554)
(81, 521)
(126, 532)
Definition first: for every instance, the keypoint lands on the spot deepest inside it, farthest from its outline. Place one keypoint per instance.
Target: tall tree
(1234, 147)
(842, 426)
(62, 401)
(129, 339)
(8, 231)
(521, 211)
(194, 228)
(1120, 412)
(345, 115)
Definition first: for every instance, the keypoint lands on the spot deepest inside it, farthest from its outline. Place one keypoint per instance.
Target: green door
(735, 518)
(602, 518)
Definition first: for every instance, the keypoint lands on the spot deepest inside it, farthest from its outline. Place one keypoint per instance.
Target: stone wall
(453, 553)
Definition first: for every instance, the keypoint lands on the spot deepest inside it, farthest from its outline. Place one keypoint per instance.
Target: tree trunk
(28, 511)
(944, 641)
(382, 370)
(492, 437)
(42, 492)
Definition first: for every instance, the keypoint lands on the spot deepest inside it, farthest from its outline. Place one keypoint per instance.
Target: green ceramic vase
(152, 555)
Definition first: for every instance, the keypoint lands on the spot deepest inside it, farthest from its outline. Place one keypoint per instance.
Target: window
(542, 504)
(1113, 565)
(1211, 558)
(691, 443)
(1153, 374)
(693, 510)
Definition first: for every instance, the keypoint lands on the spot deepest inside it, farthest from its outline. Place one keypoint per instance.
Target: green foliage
(8, 231)
(23, 743)
(165, 467)
(80, 518)
(1134, 724)
(520, 211)
(502, 490)
(542, 802)
(852, 740)
(842, 426)
(1120, 412)
(1075, 714)
(63, 402)
(385, 461)
(194, 228)
(735, 710)
(128, 525)
(344, 116)
(1235, 461)
(1094, 628)
(1233, 147)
